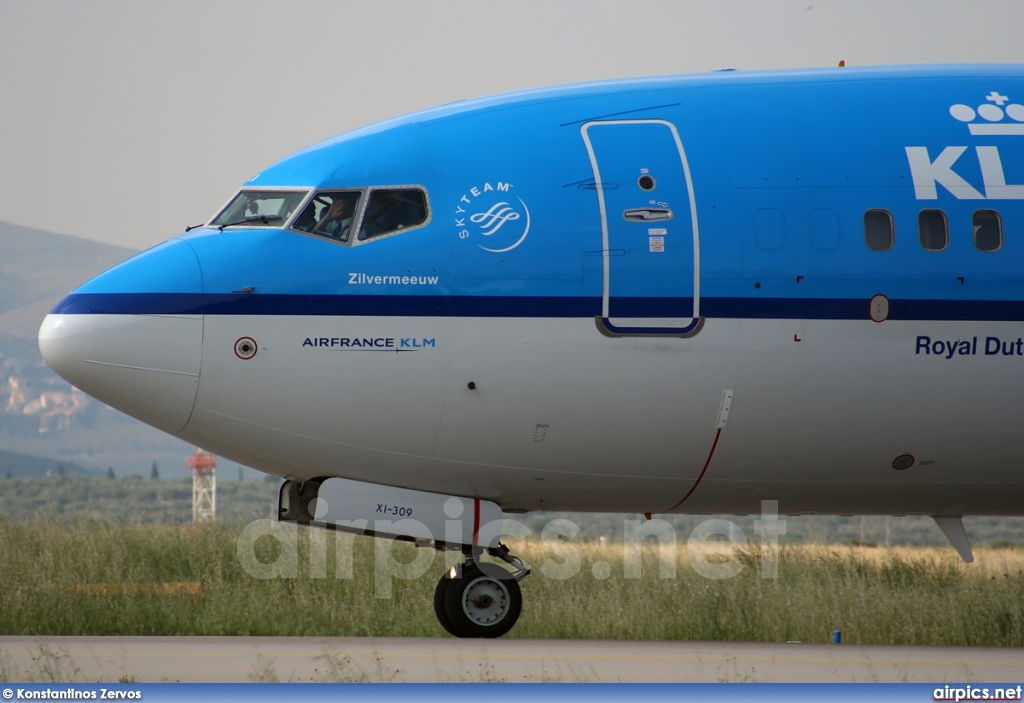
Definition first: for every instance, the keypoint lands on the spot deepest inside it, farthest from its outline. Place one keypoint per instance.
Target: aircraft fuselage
(683, 294)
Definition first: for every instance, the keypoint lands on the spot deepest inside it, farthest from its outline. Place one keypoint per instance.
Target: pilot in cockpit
(336, 221)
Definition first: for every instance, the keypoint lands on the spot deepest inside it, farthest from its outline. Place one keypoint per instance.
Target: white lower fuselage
(563, 418)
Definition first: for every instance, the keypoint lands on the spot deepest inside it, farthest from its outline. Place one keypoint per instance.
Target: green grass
(874, 595)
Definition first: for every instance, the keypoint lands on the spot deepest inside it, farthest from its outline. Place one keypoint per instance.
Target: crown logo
(993, 113)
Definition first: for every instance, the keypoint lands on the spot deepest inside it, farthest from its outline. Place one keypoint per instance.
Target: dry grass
(876, 595)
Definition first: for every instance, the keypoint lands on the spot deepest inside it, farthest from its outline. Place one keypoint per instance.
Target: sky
(124, 121)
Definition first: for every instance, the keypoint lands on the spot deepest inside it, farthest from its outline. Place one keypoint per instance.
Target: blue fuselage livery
(677, 294)
(771, 181)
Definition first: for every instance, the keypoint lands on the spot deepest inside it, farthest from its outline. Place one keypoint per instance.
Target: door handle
(647, 214)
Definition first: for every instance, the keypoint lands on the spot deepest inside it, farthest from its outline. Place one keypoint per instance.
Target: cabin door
(648, 227)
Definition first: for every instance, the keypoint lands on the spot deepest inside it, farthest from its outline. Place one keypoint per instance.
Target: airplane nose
(132, 337)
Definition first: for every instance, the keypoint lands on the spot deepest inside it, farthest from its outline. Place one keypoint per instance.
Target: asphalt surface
(246, 659)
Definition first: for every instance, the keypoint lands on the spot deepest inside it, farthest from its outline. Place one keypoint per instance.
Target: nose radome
(132, 337)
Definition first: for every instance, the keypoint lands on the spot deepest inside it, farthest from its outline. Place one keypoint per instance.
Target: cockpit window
(329, 214)
(259, 208)
(391, 210)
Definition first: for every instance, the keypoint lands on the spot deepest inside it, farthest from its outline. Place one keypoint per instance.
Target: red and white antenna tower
(204, 485)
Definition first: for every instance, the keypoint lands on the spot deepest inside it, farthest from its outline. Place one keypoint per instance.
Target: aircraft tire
(483, 603)
(439, 604)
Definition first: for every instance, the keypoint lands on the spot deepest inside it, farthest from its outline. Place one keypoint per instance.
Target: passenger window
(988, 230)
(824, 225)
(879, 233)
(391, 210)
(329, 214)
(769, 229)
(933, 230)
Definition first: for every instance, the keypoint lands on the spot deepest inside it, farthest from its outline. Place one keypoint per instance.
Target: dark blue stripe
(522, 306)
(360, 305)
(132, 304)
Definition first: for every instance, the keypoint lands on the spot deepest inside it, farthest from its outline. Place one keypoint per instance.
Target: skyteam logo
(928, 173)
(495, 218)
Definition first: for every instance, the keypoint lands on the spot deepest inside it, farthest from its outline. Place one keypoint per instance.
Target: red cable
(706, 465)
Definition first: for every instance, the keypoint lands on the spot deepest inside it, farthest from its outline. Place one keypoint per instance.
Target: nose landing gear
(478, 599)
(475, 598)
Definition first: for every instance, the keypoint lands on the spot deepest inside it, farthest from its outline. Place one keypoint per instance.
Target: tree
(240, 474)
(60, 469)
(154, 473)
(110, 472)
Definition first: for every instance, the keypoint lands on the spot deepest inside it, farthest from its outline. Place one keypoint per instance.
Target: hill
(40, 414)
(22, 466)
(39, 268)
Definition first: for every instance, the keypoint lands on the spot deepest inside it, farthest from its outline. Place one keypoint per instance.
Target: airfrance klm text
(392, 344)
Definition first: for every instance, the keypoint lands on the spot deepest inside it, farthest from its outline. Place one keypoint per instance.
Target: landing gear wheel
(439, 608)
(482, 602)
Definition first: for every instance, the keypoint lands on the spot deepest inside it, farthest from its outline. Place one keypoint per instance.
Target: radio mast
(204, 485)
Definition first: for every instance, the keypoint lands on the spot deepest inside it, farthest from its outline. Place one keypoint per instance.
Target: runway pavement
(244, 659)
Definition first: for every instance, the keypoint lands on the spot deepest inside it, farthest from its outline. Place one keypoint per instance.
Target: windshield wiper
(265, 219)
